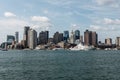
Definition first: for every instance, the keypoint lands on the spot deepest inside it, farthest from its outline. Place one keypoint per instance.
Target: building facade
(94, 38)
(77, 34)
(17, 37)
(25, 35)
(72, 38)
(81, 39)
(32, 39)
(90, 38)
(58, 37)
(10, 39)
(66, 36)
(108, 41)
(43, 37)
(118, 41)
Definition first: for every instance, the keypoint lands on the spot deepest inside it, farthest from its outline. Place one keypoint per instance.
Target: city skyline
(101, 16)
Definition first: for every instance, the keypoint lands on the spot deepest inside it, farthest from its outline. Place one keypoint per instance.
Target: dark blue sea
(59, 65)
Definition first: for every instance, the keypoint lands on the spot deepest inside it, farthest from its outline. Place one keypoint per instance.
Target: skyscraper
(32, 39)
(43, 37)
(94, 38)
(72, 38)
(90, 38)
(58, 37)
(25, 36)
(66, 36)
(77, 34)
(17, 37)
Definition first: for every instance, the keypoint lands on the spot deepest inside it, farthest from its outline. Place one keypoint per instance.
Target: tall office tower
(72, 38)
(118, 41)
(58, 37)
(108, 41)
(66, 36)
(25, 35)
(17, 37)
(32, 39)
(43, 37)
(90, 38)
(10, 38)
(94, 38)
(77, 34)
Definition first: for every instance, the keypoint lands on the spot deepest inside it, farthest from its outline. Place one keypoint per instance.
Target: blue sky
(102, 16)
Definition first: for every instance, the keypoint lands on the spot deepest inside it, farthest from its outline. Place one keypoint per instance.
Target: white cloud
(42, 26)
(112, 3)
(103, 28)
(11, 23)
(40, 19)
(109, 21)
(41, 23)
(9, 14)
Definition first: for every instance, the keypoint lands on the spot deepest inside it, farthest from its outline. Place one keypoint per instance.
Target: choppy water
(59, 65)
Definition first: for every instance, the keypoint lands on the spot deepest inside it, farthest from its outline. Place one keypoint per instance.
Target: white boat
(82, 47)
(54, 49)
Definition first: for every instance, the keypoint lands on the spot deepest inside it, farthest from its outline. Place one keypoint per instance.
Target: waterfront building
(58, 37)
(81, 39)
(17, 37)
(66, 36)
(25, 35)
(23, 43)
(94, 38)
(118, 41)
(77, 34)
(50, 40)
(10, 39)
(72, 38)
(90, 38)
(32, 38)
(108, 41)
(43, 37)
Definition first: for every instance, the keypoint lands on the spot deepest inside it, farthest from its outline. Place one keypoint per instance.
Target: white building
(72, 38)
(32, 39)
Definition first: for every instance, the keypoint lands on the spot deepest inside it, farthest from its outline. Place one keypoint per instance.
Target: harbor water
(59, 65)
